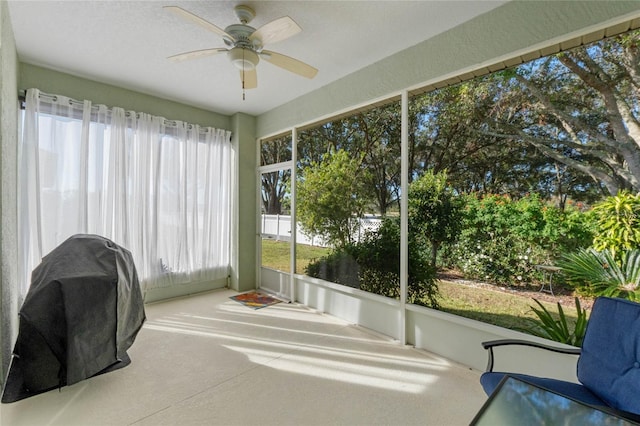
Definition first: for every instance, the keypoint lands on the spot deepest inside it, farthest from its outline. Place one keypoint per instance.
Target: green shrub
(373, 265)
(338, 267)
(503, 239)
(388, 284)
(567, 230)
(502, 260)
(618, 223)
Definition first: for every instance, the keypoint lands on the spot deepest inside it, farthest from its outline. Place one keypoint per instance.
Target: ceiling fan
(245, 44)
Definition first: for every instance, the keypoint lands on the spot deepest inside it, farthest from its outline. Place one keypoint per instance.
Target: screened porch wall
(456, 338)
(511, 33)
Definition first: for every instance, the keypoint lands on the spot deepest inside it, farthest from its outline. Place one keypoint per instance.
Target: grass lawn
(490, 306)
(493, 307)
(277, 255)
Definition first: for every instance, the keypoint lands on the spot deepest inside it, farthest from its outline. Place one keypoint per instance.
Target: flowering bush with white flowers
(503, 240)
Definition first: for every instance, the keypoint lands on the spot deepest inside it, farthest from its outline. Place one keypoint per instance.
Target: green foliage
(434, 212)
(567, 229)
(503, 239)
(558, 329)
(379, 257)
(434, 217)
(331, 197)
(339, 267)
(618, 223)
(373, 265)
(372, 136)
(599, 274)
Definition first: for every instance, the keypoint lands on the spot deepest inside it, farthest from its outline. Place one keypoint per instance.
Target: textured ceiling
(126, 43)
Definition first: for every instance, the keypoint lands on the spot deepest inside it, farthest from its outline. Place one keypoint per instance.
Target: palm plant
(558, 329)
(602, 274)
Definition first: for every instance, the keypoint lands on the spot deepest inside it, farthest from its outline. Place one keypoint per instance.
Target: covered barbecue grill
(82, 313)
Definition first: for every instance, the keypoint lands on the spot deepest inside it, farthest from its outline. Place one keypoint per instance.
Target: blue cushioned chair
(609, 362)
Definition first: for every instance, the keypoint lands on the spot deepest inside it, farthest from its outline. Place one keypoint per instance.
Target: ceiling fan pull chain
(243, 65)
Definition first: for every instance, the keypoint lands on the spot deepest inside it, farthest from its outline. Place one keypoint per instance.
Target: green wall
(243, 275)
(59, 83)
(8, 188)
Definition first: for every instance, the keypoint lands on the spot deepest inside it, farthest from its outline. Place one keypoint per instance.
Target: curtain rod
(22, 97)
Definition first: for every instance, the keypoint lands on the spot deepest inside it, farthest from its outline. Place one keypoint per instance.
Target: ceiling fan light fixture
(243, 59)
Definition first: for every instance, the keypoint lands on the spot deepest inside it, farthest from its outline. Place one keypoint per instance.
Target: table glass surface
(516, 402)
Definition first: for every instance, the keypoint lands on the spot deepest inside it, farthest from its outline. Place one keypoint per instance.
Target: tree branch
(622, 121)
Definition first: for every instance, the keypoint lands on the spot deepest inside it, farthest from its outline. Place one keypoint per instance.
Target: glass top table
(517, 402)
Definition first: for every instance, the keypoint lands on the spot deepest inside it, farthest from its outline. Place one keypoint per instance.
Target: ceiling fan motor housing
(242, 38)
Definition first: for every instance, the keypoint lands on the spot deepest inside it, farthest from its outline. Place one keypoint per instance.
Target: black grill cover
(82, 312)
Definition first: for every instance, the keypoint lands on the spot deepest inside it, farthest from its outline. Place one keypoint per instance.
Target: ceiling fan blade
(198, 20)
(196, 54)
(249, 79)
(276, 30)
(289, 64)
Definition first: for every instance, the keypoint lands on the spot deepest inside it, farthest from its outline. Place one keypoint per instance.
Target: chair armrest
(507, 342)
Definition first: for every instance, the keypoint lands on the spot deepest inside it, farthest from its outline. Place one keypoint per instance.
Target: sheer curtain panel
(160, 188)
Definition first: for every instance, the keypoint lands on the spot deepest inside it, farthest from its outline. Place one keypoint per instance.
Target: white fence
(278, 227)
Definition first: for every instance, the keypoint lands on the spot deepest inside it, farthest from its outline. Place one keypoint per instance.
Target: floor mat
(255, 300)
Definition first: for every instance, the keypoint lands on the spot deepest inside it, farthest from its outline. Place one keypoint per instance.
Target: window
(160, 189)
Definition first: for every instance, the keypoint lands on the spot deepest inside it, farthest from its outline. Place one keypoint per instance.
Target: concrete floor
(208, 360)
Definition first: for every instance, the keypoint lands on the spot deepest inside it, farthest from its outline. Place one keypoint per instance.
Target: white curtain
(160, 188)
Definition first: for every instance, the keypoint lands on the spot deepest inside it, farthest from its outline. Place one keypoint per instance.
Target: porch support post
(404, 216)
(245, 235)
(293, 216)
